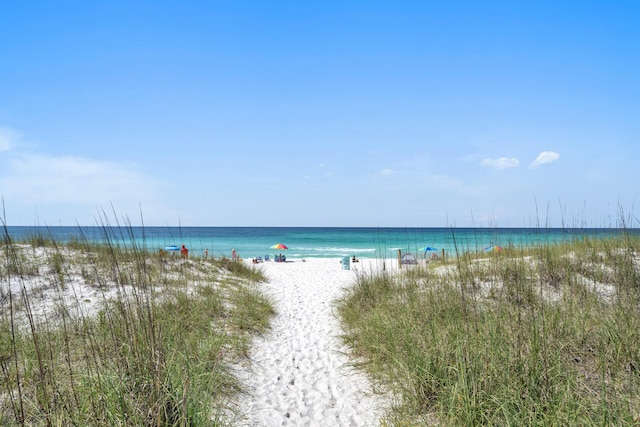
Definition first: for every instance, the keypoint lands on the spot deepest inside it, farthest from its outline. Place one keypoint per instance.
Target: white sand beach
(299, 374)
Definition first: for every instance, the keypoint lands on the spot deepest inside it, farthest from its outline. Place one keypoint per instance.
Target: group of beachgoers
(184, 253)
(277, 258)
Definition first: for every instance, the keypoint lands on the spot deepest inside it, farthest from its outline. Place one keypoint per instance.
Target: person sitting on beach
(184, 252)
(354, 259)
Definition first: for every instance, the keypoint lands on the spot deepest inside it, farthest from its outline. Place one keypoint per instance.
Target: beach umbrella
(171, 248)
(494, 248)
(427, 248)
(279, 246)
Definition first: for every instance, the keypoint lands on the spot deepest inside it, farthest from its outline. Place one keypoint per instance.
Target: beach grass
(113, 334)
(547, 335)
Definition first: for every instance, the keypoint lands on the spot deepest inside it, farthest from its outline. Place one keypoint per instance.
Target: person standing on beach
(184, 252)
(234, 255)
(206, 252)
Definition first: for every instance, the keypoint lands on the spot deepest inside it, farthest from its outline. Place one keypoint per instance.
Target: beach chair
(266, 258)
(259, 259)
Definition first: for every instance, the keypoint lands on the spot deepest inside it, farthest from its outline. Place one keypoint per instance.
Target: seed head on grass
(157, 353)
(546, 336)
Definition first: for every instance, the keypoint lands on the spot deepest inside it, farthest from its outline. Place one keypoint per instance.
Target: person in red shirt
(184, 252)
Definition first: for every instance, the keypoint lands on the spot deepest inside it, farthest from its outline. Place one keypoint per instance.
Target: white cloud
(501, 163)
(386, 172)
(8, 138)
(74, 180)
(544, 158)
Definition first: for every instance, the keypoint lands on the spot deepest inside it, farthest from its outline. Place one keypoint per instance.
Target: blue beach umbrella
(171, 248)
(427, 249)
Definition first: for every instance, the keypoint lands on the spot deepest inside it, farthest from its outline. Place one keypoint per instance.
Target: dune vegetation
(547, 335)
(112, 334)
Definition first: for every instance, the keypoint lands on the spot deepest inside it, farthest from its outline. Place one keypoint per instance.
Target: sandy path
(298, 375)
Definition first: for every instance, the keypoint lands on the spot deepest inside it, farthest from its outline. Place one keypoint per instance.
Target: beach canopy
(408, 259)
(279, 246)
(427, 248)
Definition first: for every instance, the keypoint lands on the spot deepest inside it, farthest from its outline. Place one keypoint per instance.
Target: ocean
(316, 242)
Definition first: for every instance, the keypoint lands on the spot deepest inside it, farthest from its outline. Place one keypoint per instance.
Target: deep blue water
(316, 242)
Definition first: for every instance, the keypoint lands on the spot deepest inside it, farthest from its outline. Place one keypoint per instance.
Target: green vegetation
(547, 336)
(114, 335)
(108, 335)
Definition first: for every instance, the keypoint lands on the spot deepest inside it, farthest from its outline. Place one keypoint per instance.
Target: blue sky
(332, 113)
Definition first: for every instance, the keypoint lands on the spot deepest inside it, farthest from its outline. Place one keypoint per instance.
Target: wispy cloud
(501, 163)
(324, 171)
(8, 138)
(544, 158)
(382, 174)
(49, 179)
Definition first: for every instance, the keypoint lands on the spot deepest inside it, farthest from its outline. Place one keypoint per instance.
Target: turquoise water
(315, 242)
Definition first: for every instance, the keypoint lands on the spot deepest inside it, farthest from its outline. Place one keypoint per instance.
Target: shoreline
(310, 243)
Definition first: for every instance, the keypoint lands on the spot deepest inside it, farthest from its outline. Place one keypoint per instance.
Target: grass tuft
(542, 336)
(111, 334)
